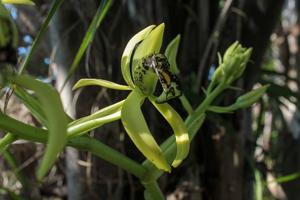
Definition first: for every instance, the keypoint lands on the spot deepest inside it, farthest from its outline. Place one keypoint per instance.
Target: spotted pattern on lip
(158, 63)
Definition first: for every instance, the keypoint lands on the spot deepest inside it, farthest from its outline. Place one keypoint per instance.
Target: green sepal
(171, 54)
(138, 131)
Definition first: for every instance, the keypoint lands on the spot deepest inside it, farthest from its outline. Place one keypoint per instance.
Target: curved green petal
(100, 82)
(179, 128)
(56, 119)
(125, 61)
(137, 129)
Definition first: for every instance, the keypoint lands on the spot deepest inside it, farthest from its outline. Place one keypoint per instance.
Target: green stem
(85, 143)
(6, 140)
(152, 191)
(186, 104)
(107, 153)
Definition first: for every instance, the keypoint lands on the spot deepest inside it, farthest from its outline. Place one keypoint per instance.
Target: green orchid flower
(143, 67)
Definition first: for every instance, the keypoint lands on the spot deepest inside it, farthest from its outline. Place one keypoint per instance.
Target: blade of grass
(89, 36)
(258, 186)
(55, 6)
(287, 178)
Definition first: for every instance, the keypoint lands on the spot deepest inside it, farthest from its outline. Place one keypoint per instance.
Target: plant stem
(31, 133)
(152, 191)
(6, 140)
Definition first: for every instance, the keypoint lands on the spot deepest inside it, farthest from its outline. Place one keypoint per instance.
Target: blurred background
(253, 154)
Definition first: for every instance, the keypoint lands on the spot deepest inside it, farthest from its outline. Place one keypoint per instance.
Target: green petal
(100, 82)
(150, 45)
(125, 62)
(137, 129)
(179, 128)
(171, 54)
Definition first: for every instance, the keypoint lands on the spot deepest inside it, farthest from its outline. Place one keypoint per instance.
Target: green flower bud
(230, 51)
(234, 63)
(250, 98)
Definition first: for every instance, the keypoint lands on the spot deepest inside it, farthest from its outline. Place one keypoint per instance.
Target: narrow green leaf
(55, 6)
(171, 54)
(100, 113)
(221, 109)
(86, 126)
(287, 178)
(31, 103)
(25, 2)
(258, 186)
(100, 82)
(56, 119)
(186, 104)
(89, 36)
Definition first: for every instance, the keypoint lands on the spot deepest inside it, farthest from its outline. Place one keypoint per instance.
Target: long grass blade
(89, 36)
(55, 6)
